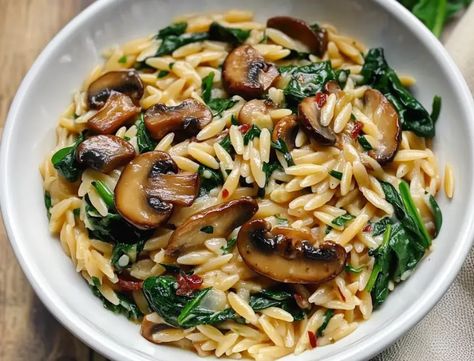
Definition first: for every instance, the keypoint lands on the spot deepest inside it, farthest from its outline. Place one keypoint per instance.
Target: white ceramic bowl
(65, 62)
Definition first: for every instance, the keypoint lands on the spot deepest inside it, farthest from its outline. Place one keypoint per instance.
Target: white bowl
(65, 62)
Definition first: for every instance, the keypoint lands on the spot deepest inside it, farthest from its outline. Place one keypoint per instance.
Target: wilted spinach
(47, 203)
(229, 247)
(342, 220)
(438, 216)
(219, 105)
(227, 145)
(105, 193)
(174, 37)
(144, 140)
(281, 146)
(413, 116)
(64, 160)
(253, 132)
(124, 254)
(206, 87)
(276, 298)
(327, 317)
(209, 179)
(228, 35)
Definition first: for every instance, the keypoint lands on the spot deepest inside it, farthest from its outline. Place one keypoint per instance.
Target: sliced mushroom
(117, 111)
(286, 130)
(216, 221)
(246, 73)
(332, 87)
(187, 119)
(257, 111)
(152, 324)
(315, 39)
(385, 117)
(104, 153)
(287, 255)
(309, 115)
(148, 189)
(127, 82)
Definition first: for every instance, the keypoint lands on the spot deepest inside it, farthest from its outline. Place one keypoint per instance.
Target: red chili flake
(244, 128)
(367, 228)
(312, 339)
(187, 284)
(321, 99)
(225, 193)
(356, 129)
(129, 286)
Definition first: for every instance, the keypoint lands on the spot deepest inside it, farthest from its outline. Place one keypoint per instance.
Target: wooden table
(27, 329)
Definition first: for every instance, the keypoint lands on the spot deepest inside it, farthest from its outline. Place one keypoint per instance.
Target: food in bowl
(242, 189)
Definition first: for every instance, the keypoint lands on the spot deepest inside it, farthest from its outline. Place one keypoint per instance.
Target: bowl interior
(48, 88)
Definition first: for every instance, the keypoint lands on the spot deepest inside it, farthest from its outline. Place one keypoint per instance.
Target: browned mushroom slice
(127, 82)
(216, 221)
(315, 38)
(117, 111)
(104, 153)
(151, 324)
(137, 196)
(309, 115)
(245, 73)
(187, 119)
(286, 130)
(257, 111)
(287, 255)
(385, 117)
(332, 87)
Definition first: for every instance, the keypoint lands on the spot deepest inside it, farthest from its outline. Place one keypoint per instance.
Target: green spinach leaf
(438, 216)
(47, 203)
(207, 87)
(281, 146)
(175, 29)
(253, 132)
(219, 105)
(228, 35)
(170, 43)
(144, 140)
(327, 317)
(341, 221)
(209, 179)
(124, 254)
(64, 160)
(105, 193)
(276, 298)
(229, 247)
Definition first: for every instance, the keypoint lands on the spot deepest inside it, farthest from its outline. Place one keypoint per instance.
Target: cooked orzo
(245, 190)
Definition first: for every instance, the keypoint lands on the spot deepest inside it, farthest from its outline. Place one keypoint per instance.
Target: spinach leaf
(269, 168)
(180, 311)
(122, 59)
(342, 220)
(47, 203)
(335, 174)
(364, 143)
(276, 298)
(105, 193)
(306, 80)
(229, 247)
(124, 254)
(126, 307)
(379, 227)
(173, 29)
(209, 179)
(64, 160)
(281, 220)
(281, 146)
(228, 35)
(352, 269)
(113, 228)
(327, 317)
(162, 74)
(436, 108)
(144, 140)
(172, 42)
(412, 114)
(253, 132)
(207, 87)
(219, 105)
(438, 216)
(227, 145)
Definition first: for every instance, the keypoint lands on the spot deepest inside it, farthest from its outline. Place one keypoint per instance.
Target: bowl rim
(112, 349)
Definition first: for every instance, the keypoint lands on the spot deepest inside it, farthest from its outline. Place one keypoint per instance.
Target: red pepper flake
(356, 129)
(244, 128)
(321, 99)
(129, 286)
(225, 193)
(187, 284)
(312, 339)
(367, 228)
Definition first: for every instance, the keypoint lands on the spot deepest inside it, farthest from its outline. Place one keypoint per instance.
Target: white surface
(447, 332)
(66, 61)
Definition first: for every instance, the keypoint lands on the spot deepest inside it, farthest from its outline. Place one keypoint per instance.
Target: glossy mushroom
(309, 116)
(104, 153)
(257, 111)
(127, 82)
(149, 188)
(117, 111)
(315, 38)
(246, 73)
(286, 129)
(385, 117)
(152, 324)
(186, 119)
(287, 255)
(216, 221)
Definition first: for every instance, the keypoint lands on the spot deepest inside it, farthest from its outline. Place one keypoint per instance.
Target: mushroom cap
(246, 73)
(186, 119)
(117, 111)
(309, 115)
(287, 255)
(286, 129)
(127, 82)
(315, 40)
(385, 117)
(104, 153)
(257, 111)
(223, 218)
(148, 189)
